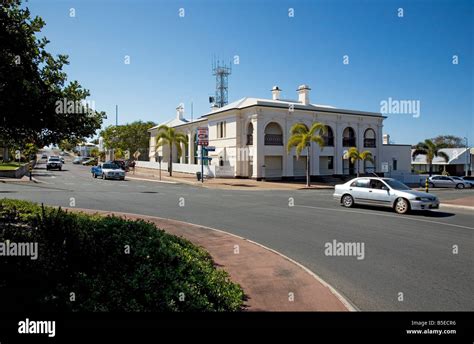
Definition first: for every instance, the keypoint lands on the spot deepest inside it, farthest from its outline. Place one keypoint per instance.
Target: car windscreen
(395, 184)
(53, 159)
(110, 166)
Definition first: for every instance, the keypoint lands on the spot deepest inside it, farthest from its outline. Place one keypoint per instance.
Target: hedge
(84, 264)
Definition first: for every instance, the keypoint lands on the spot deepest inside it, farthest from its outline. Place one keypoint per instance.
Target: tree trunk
(430, 169)
(308, 177)
(170, 164)
(358, 167)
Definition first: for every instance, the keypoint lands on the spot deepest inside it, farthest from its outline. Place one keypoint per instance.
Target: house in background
(250, 136)
(460, 162)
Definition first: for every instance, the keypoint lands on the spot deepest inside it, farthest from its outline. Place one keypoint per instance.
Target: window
(361, 183)
(369, 138)
(394, 164)
(376, 184)
(220, 130)
(330, 162)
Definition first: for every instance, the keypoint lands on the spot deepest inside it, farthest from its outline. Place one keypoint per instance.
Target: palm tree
(301, 138)
(168, 136)
(431, 150)
(355, 155)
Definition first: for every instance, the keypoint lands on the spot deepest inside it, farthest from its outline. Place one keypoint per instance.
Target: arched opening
(273, 134)
(329, 137)
(250, 134)
(369, 138)
(348, 137)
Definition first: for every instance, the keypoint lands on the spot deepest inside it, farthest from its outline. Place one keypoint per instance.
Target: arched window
(328, 137)
(250, 134)
(369, 138)
(273, 134)
(348, 137)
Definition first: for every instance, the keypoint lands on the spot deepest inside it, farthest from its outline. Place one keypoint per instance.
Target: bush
(86, 255)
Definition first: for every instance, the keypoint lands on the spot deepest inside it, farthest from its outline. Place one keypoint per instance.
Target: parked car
(467, 180)
(78, 160)
(446, 182)
(54, 163)
(387, 192)
(90, 162)
(44, 156)
(108, 170)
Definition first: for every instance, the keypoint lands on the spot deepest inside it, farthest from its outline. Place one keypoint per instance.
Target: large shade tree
(170, 137)
(132, 136)
(301, 138)
(33, 83)
(431, 150)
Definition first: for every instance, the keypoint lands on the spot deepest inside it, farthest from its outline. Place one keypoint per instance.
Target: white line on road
(386, 215)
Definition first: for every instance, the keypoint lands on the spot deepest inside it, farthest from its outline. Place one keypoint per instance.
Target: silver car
(387, 192)
(447, 182)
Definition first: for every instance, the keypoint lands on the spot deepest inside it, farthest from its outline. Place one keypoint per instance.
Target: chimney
(386, 139)
(180, 112)
(276, 93)
(303, 94)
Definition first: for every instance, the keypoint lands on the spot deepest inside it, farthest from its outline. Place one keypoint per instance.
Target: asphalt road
(409, 254)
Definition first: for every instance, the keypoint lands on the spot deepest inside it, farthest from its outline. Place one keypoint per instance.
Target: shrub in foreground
(89, 257)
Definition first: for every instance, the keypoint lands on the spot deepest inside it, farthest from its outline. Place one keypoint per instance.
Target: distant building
(250, 136)
(85, 148)
(460, 162)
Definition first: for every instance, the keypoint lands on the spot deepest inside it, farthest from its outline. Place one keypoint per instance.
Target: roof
(456, 156)
(247, 102)
(171, 123)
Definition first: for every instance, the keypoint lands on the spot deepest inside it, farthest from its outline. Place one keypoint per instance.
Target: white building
(460, 162)
(250, 137)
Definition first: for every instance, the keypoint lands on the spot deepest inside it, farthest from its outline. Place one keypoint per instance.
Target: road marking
(386, 215)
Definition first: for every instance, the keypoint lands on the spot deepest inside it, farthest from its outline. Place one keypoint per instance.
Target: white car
(447, 182)
(108, 170)
(386, 192)
(54, 162)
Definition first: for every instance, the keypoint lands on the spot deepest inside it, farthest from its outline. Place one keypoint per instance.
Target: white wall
(209, 171)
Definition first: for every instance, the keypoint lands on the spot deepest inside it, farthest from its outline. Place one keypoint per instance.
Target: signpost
(202, 137)
(136, 155)
(385, 167)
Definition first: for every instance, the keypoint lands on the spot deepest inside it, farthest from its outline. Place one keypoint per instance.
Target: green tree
(32, 84)
(301, 138)
(355, 156)
(169, 136)
(431, 150)
(133, 136)
(449, 141)
(68, 144)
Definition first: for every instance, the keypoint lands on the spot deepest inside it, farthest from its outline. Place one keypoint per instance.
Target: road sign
(384, 167)
(205, 158)
(136, 155)
(202, 136)
(210, 148)
(127, 154)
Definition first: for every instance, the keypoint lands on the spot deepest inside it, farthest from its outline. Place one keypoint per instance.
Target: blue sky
(408, 58)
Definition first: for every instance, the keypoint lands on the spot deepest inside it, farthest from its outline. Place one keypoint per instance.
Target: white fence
(408, 178)
(209, 171)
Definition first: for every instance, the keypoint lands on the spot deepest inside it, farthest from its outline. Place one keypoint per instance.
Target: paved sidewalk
(24, 179)
(463, 202)
(271, 282)
(223, 183)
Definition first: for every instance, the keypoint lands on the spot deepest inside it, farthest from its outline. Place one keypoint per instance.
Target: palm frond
(319, 128)
(443, 155)
(298, 128)
(299, 148)
(293, 141)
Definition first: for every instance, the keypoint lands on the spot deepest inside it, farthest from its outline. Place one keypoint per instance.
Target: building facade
(250, 137)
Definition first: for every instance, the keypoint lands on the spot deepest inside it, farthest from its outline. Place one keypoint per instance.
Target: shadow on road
(427, 213)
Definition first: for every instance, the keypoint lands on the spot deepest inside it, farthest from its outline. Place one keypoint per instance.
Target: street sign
(127, 154)
(202, 136)
(136, 155)
(384, 167)
(205, 158)
(210, 148)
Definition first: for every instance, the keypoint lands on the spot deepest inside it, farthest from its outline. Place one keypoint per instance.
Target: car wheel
(460, 186)
(347, 201)
(431, 185)
(402, 206)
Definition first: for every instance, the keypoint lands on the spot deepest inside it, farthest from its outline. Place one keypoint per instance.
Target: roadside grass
(9, 166)
(105, 264)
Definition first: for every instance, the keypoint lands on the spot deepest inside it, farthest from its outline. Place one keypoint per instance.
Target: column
(258, 148)
(190, 147)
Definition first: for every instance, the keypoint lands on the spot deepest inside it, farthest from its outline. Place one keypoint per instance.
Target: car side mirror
(385, 188)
